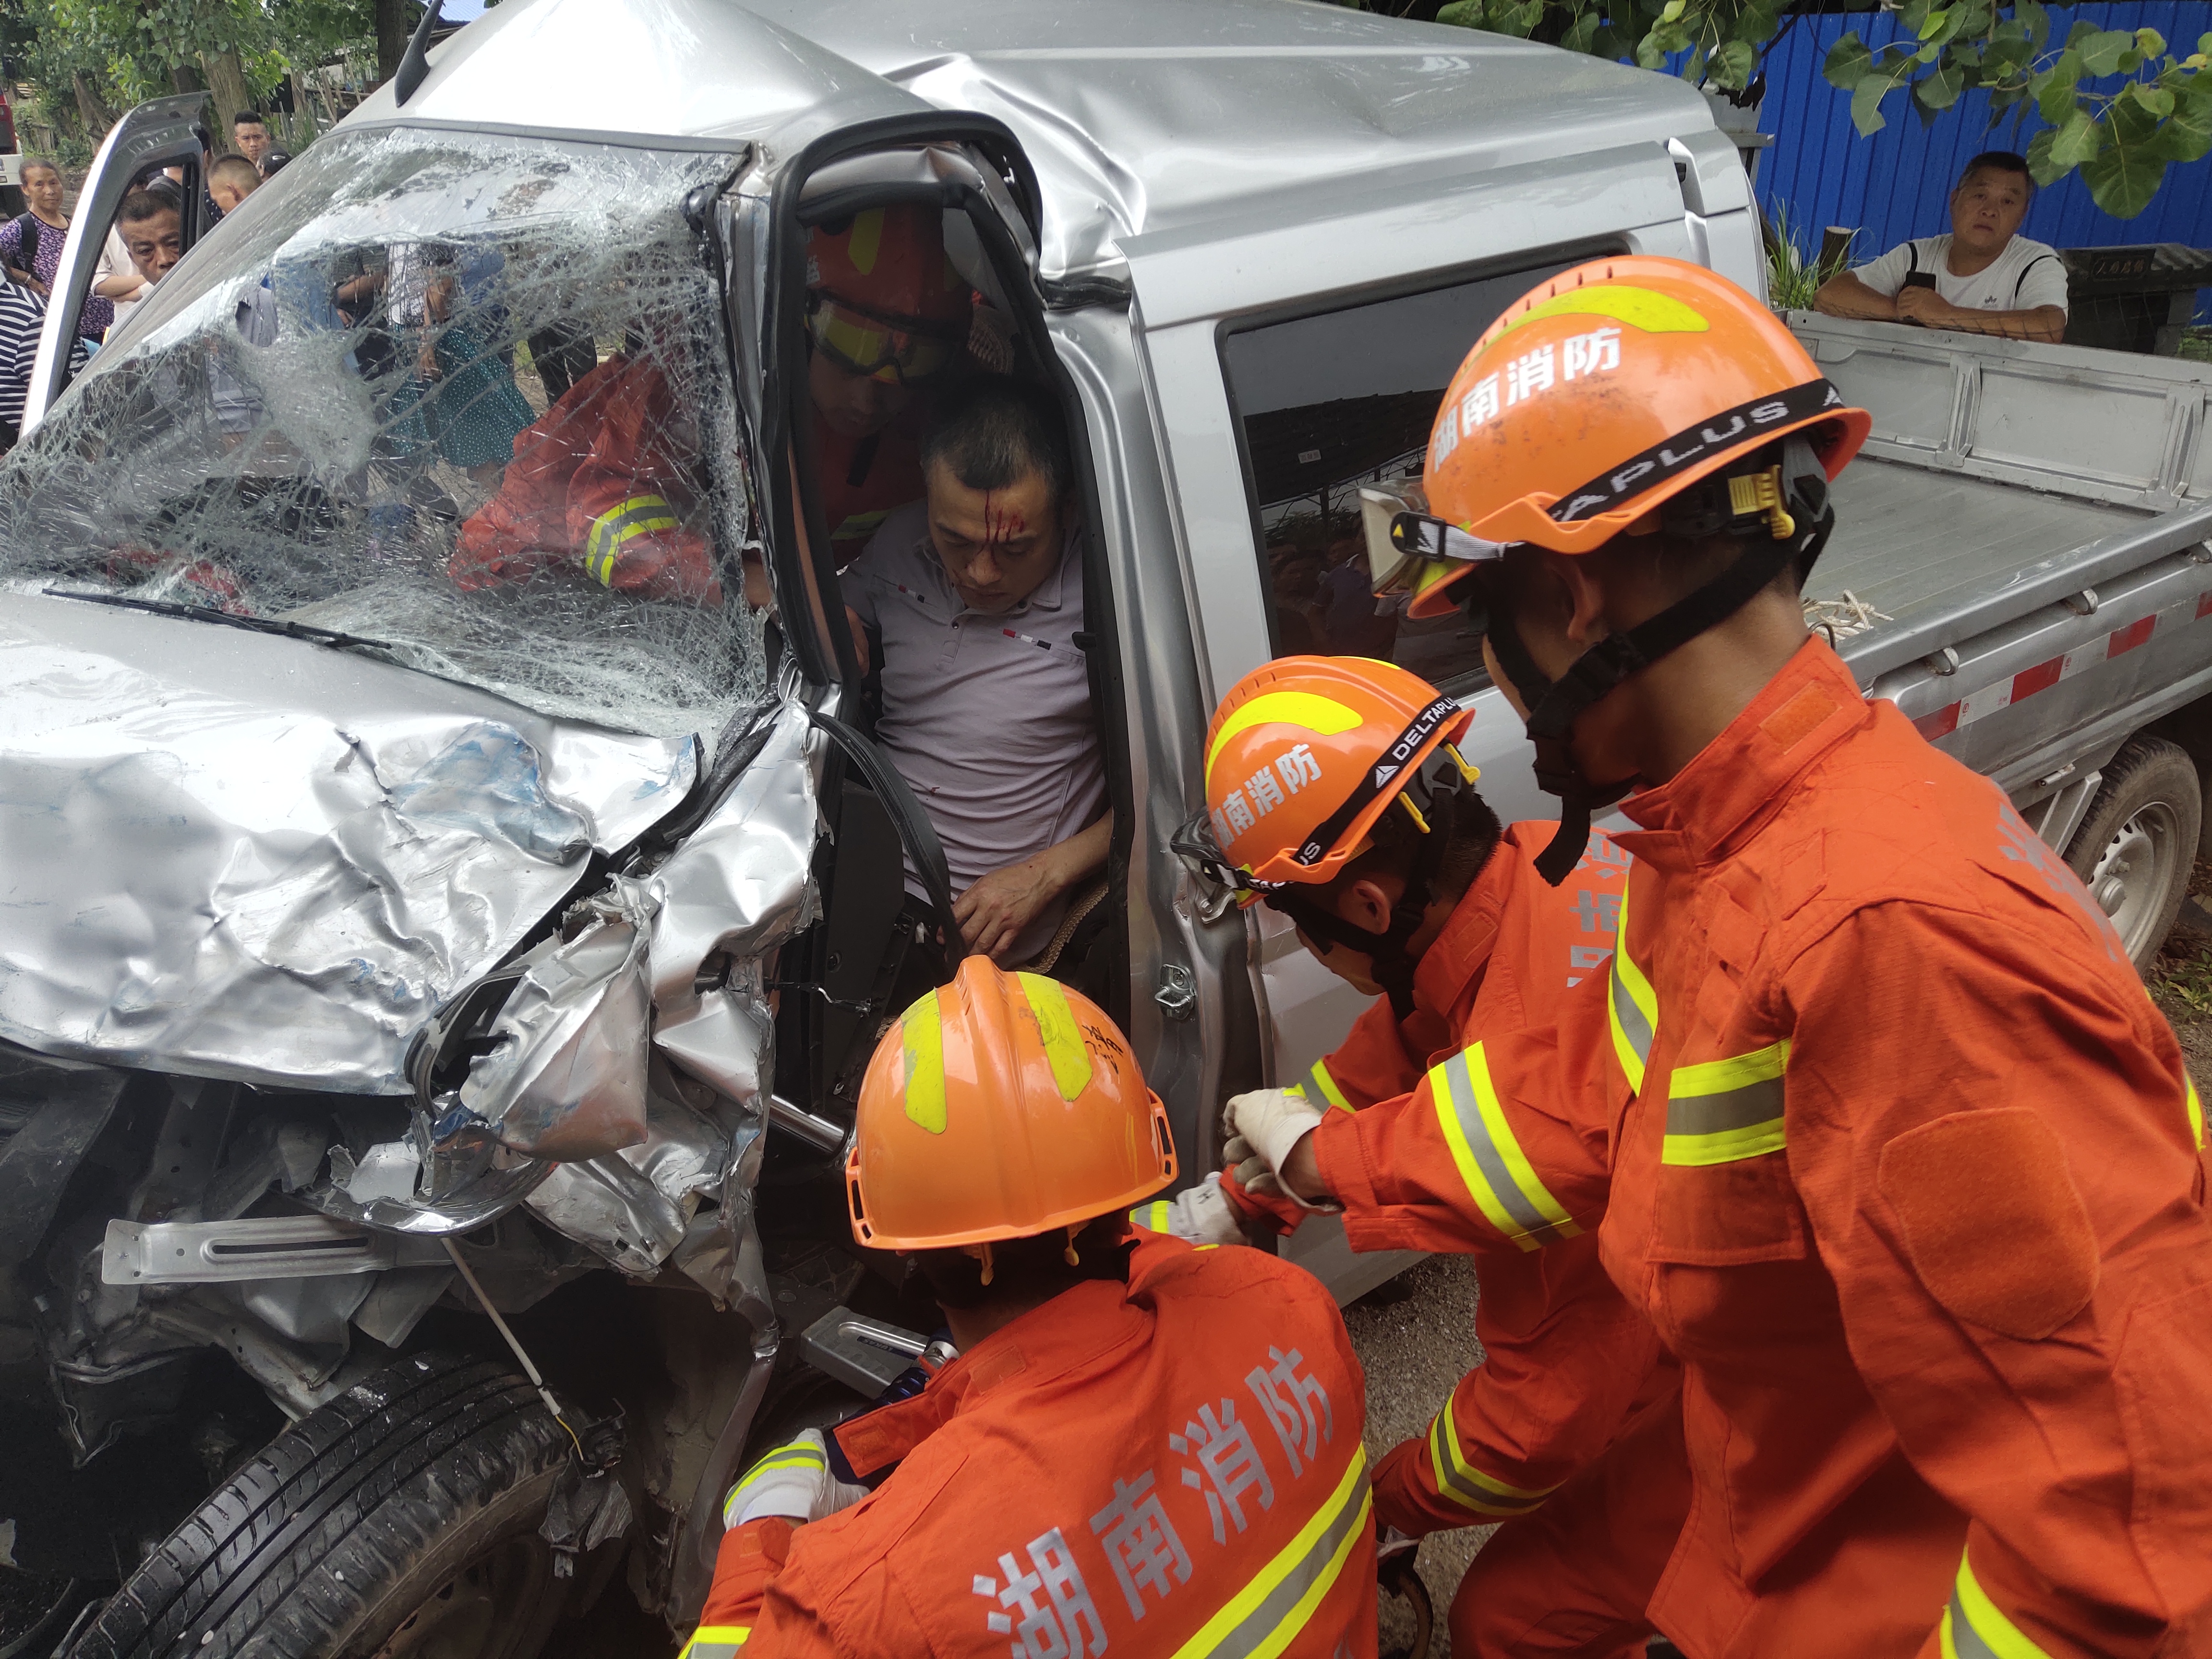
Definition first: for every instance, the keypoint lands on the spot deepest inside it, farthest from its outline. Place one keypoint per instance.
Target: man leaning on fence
(1983, 278)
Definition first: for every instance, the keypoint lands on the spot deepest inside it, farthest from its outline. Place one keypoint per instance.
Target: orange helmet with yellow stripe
(1000, 1106)
(1305, 753)
(883, 300)
(1605, 394)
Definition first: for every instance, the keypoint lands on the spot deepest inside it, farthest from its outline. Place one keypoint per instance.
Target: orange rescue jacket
(1565, 1357)
(1171, 1464)
(1911, 1183)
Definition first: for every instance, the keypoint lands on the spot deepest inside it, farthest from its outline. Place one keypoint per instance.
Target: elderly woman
(31, 247)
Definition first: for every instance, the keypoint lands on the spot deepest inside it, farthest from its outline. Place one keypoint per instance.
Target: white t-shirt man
(2024, 275)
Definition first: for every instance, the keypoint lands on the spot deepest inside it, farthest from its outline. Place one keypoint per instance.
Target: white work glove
(1261, 1129)
(1197, 1215)
(792, 1481)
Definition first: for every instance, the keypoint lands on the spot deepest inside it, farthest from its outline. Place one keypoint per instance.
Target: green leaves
(2125, 172)
(1848, 61)
(2114, 104)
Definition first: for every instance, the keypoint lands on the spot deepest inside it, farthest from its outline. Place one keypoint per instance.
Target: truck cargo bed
(1918, 545)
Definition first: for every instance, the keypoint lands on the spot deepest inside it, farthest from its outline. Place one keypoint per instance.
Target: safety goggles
(897, 350)
(1193, 844)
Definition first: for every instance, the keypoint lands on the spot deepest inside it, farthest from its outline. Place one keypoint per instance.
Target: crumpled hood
(234, 855)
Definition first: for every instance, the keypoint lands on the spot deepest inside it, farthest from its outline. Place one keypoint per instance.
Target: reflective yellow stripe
(2196, 1111)
(858, 525)
(1064, 1047)
(640, 515)
(1468, 1486)
(1307, 709)
(1721, 1110)
(1265, 1616)
(1325, 1086)
(1153, 1215)
(797, 1456)
(1632, 1010)
(1498, 1173)
(715, 1641)
(1973, 1628)
(922, 1028)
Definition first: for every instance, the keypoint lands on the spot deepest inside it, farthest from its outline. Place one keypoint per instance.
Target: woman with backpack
(31, 245)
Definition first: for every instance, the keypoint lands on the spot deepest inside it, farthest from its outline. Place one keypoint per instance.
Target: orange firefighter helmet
(883, 300)
(1001, 1105)
(1305, 753)
(1605, 394)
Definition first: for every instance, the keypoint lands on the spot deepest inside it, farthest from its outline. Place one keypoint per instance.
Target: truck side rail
(2099, 426)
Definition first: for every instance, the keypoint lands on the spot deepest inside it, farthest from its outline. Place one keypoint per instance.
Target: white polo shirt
(2024, 275)
(987, 717)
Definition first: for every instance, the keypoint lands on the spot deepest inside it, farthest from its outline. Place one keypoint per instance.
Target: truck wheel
(398, 1522)
(2134, 849)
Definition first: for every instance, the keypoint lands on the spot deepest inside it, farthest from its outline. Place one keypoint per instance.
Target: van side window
(1331, 402)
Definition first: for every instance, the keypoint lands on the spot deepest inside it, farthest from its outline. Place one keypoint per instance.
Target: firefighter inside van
(609, 476)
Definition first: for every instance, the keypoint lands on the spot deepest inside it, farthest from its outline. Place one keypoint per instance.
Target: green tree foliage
(2119, 105)
(127, 50)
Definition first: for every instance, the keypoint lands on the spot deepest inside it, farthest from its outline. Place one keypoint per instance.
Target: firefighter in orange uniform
(1409, 889)
(610, 475)
(1912, 1176)
(1141, 1447)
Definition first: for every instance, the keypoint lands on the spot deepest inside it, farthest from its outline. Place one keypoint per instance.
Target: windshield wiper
(290, 630)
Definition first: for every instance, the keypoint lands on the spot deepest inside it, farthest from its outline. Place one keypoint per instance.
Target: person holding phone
(1983, 278)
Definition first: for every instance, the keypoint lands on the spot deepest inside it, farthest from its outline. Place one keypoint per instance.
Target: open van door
(971, 168)
(167, 132)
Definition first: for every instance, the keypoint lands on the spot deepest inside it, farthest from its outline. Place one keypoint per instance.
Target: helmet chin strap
(1386, 951)
(1554, 706)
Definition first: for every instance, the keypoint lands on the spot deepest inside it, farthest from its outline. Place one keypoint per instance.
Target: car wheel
(398, 1522)
(2136, 846)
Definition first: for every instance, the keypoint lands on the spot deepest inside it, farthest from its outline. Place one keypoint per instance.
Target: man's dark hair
(1395, 843)
(140, 205)
(1031, 1270)
(247, 118)
(995, 431)
(1998, 160)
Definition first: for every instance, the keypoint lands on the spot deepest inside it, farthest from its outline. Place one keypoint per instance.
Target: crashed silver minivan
(384, 950)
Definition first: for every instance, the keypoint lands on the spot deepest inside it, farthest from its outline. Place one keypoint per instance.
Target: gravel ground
(1415, 1338)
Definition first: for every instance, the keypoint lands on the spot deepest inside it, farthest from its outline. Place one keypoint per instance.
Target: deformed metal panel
(231, 855)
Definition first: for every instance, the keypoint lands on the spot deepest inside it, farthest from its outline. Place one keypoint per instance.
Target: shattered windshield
(462, 394)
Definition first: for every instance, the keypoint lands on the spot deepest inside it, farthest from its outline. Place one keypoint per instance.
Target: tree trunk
(395, 22)
(184, 78)
(225, 79)
(95, 114)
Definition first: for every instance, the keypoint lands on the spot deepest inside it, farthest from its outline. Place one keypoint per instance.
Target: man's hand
(995, 912)
(998, 909)
(792, 1481)
(1264, 1130)
(1925, 307)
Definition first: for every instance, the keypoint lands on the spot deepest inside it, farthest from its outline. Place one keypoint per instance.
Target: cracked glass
(463, 396)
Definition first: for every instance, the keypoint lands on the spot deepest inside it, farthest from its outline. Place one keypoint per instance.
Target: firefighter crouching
(610, 477)
(1142, 1446)
(1910, 1175)
(1337, 794)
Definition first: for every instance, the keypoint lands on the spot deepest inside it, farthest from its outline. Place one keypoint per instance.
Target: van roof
(1139, 116)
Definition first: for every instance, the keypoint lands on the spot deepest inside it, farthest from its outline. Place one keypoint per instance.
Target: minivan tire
(2137, 844)
(399, 1520)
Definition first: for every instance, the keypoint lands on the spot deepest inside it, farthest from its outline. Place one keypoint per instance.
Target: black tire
(2138, 843)
(400, 1519)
